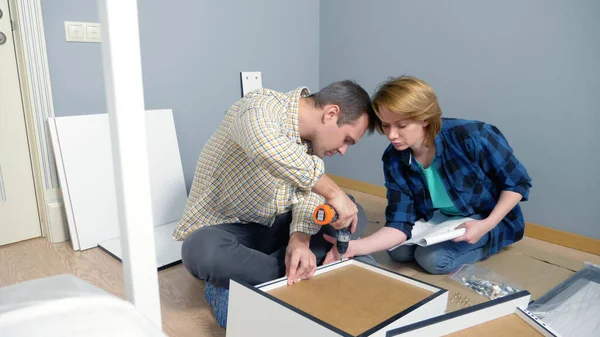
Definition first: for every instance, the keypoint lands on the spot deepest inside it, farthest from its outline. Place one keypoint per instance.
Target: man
(259, 179)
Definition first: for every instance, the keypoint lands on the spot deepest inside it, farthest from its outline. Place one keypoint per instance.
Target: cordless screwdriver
(324, 215)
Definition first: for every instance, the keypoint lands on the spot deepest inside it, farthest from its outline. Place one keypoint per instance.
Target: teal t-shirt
(439, 196)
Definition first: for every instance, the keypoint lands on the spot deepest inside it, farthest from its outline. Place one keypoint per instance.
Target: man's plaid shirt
(476, 164)
(255, 167)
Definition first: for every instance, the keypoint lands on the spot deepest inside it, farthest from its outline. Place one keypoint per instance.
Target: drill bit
(343, 240)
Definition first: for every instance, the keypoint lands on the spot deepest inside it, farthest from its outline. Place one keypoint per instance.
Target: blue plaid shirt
(476, 164)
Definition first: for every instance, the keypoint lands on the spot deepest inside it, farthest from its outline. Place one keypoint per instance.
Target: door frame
(38, 106)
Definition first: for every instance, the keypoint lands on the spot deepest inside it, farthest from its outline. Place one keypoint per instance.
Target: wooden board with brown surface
(510, 325)
(352, 298)
(346, 298)
(505, 316)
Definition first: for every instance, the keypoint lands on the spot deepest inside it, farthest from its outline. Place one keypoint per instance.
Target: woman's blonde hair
(410, 98)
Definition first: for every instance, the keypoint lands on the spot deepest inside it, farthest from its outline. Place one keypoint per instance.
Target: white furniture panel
(274, 315)
(480, 317)
(82, 145)
(168, 251)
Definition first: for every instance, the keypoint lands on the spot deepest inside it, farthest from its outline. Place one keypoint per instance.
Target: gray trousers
(252, 252)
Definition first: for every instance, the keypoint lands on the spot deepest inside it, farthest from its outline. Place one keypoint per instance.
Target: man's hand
(346, 210)
(336, 197)
(333, 254)
(475, 229)
(300, 261)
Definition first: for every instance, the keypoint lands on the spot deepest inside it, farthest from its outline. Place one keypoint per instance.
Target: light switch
(75, 32)
(72, 32)
(89, 32)
(82, 31)
(80, 34)
(93, 32)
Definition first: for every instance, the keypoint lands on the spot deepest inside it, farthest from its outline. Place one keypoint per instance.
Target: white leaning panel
(63, 182)
(84, 146)
(168, 251)
(167, 183)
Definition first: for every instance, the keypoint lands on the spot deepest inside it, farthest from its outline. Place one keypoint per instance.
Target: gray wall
(75, 68)
(530, 67)
(192, 54)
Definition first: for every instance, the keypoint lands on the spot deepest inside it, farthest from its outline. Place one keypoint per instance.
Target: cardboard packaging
(530, 268)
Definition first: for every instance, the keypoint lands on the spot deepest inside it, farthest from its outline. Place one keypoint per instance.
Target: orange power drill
(324, 215)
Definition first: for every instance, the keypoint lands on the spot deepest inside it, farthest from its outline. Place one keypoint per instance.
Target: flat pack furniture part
(573, 307)
(122, 67)
(506, 316)
(83, 146)
(168, 251)
(84, 158)
(346, 298)
(62, 179)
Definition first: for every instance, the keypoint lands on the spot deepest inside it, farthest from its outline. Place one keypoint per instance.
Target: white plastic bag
(65, 306)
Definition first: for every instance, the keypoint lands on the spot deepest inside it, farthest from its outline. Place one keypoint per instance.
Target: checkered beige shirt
(255, 167)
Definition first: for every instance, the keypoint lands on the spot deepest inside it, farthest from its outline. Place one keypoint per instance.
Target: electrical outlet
(251, 80)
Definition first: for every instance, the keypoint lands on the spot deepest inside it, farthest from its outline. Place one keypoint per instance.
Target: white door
(19, 219)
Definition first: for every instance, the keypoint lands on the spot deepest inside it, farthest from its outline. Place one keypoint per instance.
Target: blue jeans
(444, 257)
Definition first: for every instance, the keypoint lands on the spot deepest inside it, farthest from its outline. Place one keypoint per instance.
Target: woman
(455, 166)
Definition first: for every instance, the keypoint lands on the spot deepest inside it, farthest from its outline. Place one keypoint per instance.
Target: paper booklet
(438, 229)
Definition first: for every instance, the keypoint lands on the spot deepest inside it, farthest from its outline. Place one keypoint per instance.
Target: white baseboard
(57, 221)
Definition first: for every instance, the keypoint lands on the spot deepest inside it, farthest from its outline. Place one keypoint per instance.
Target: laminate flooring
(184, 310)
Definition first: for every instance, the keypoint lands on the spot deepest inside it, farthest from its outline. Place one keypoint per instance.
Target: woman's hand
(475, 229)
(333, 254)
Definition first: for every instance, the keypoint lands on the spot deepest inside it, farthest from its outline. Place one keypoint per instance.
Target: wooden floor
(184, 310)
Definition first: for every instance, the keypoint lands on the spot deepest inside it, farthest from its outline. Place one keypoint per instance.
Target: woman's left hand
(475, 229)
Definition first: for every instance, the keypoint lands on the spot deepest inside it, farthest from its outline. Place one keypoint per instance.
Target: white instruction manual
(438, 229)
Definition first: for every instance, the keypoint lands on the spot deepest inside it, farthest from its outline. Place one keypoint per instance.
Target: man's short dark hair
(352, 99)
